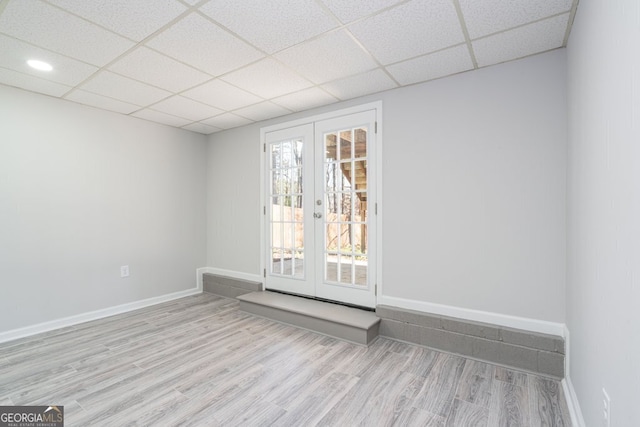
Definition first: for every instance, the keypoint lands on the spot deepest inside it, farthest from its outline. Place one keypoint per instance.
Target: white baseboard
(567, 386)
(199, 272)
(93, 315)
(572, 402)
(523, 323)
(233, 274)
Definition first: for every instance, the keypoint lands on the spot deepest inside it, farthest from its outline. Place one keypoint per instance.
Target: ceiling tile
(433, 66)
(410, 30)
(201, 128)
(349, 10)
(484, 17)
(305, 99)
(99, 101)
(204, 45)
(267, 78)
(151, 67)
(67, 71)
(158, 117)
(222, 95)
(528, 40)
(226, 121)
(332, 56)
(134, 19)
(271, 25)
(54, 29)
(123, 88)
(186, 108)
(263, 111)
(207, 65)
(360, 85)
(34, 84)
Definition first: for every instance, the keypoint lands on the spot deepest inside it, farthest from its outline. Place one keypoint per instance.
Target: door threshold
(346, 304)
(346, 323)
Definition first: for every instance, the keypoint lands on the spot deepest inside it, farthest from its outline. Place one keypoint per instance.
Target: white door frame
(377, 210)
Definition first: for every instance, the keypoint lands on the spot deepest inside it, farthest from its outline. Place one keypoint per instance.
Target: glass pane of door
(345, 199)
(286, 219)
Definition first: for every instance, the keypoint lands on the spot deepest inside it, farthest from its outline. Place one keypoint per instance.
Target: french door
(320, 188)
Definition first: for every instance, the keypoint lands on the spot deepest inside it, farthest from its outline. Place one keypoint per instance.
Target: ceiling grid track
(465, 31)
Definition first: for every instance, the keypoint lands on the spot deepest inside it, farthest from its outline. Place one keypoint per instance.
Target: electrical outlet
(124, 271)
(606, 409)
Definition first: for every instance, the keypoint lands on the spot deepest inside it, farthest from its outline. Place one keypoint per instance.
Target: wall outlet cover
(124, 271)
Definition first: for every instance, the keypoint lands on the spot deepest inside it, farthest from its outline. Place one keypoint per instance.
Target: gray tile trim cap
(532, 339)
(537, 341)
(346, 323)
(248, 285)
(223, 290)
(492, 351)
(312, 308)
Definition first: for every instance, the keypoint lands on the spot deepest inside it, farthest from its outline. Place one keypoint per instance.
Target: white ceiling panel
(34, 84)
(227, 121)
(360, 85)
(490, 16)
(123, 88)
(208, 65)
(222, 95)
(151, 67)
(305, 99)
(51, 28)
(410, 30)
(267, 78)
(201, 128)
(271, 25)
(523, 41)
(135, 19)
(433, 66)
(349, 10)
(99, 101)
(332, 56)
(158, 117)
(263, 111)
(186, 108)
(16, 53)
(202, 44)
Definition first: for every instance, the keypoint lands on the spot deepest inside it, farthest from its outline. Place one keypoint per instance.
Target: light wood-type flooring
(199, 361)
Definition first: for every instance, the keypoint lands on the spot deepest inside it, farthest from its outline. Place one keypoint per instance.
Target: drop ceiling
(210, 65)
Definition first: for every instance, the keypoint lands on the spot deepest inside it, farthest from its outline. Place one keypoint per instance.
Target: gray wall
(603, 290)
(84, 191)
(473, 190)
(233, 200)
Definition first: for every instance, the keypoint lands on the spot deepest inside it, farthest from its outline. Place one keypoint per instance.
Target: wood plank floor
(199, 361)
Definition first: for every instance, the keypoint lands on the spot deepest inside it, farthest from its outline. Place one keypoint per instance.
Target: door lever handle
(317, 215)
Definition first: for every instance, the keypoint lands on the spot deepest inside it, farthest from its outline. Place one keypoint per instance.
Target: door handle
(317, 215)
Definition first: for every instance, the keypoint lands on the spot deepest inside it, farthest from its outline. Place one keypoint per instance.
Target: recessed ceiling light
(39, 65)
